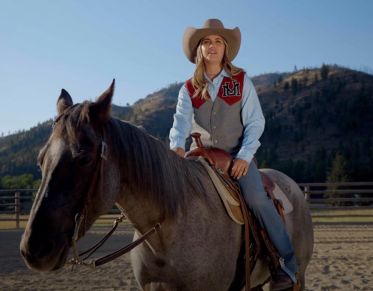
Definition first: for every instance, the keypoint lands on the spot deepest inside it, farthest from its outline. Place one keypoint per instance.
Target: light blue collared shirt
(251, 114)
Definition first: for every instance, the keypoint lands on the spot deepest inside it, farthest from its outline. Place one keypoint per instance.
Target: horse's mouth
(52, 260)
(62, 259)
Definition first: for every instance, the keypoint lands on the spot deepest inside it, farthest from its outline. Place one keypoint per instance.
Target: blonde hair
(199, 81)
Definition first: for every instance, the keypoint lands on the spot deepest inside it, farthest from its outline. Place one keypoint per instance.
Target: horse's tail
(299, 220)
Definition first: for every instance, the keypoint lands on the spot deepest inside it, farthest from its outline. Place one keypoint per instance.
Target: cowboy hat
(192, 37)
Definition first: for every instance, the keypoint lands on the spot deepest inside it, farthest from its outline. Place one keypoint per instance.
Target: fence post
(306, 192)
(17, 208)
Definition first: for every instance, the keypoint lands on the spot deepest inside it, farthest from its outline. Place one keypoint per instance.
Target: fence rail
(16, 203)
(344, 195)
(11, 205)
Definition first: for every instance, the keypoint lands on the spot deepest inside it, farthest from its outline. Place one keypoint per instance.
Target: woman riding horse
(226, 110)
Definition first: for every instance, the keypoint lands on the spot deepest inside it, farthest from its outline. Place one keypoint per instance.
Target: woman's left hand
(239, 169)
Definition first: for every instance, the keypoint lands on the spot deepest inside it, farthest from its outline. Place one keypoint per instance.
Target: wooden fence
(345, 195)
(15, 204)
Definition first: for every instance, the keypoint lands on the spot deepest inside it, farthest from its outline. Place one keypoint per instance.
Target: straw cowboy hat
(192, 37)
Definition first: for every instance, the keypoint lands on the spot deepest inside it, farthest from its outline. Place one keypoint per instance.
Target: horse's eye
(86, 142)
(82, 156)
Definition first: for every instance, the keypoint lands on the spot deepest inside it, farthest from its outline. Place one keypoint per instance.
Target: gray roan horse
(198, 244)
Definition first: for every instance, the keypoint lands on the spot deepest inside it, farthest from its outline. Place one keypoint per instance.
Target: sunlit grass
(318, 216)
(343, 216)
(362, 219)
(103, 221)
(335, 212)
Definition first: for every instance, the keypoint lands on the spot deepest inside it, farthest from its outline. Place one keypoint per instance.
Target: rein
(82, 257)
(78, 260)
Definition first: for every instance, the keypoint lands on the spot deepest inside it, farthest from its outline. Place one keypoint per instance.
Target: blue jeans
(268, 217)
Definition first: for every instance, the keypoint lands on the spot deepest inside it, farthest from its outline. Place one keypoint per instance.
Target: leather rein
(82, 257)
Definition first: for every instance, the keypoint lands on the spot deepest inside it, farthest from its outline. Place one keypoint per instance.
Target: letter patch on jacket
(231, 89)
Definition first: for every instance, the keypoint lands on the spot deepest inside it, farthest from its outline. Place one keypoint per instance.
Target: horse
(92, 161)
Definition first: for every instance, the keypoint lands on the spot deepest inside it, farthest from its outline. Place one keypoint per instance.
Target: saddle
(218, 164)
(221, 162)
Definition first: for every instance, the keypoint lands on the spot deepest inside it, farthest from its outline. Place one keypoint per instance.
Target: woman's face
(213, 48)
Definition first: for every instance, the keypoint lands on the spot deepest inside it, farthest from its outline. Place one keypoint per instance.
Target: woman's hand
(239, 169)
(179, 151)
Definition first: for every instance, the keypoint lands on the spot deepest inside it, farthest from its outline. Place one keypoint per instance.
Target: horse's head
(71, 164)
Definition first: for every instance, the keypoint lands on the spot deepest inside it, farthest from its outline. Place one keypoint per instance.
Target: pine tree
(338, 171)
(286, 86)
(294, 86)
(316, 78)
(337, 174)
(324, 72)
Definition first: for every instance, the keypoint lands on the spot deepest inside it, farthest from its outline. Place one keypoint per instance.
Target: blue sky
(82, 45)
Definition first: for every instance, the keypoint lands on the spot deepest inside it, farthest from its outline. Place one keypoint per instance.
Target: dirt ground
(342, 260)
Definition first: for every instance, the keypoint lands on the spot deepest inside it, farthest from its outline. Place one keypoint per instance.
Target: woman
(221, 103)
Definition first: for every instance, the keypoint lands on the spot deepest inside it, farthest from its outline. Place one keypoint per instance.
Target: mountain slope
(311, 115)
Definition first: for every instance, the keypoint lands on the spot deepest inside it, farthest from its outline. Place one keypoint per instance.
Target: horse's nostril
(27, 256)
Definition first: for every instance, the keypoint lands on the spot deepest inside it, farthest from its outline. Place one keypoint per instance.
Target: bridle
(82, 257)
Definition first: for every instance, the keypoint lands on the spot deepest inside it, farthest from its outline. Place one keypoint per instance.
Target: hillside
(155, 111)
(311, 115)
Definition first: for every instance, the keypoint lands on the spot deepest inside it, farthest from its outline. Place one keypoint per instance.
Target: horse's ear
(101, 109)
(64, 101)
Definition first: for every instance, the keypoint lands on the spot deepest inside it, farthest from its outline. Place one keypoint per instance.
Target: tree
(337, 174)
(294, 86)
(324, 72)
(316, 78)
(338, 171)
(319, 164)
(24, 181)
(305, 80)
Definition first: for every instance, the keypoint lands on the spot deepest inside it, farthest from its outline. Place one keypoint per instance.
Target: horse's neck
(139, 210)
(153, 183)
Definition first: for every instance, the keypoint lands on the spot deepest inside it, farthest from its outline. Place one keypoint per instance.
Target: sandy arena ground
(342, 260)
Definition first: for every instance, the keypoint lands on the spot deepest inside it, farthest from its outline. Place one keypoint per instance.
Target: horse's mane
(150, 168)
(154, 171)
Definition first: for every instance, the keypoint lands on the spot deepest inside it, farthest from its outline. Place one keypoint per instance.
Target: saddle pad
(231, 204)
